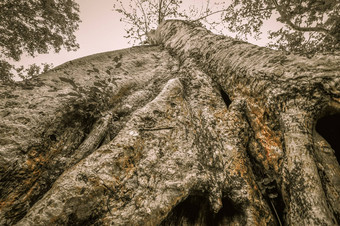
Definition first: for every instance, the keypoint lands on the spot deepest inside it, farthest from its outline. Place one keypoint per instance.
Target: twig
(108, 198)
(155, 129)
(218, 11)
(277, 215)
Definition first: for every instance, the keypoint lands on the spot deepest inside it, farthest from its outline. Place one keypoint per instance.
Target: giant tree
(200, 129)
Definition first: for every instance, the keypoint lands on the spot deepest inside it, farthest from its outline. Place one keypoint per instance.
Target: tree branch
(166, 9)
(160, 11)
(218, 11)
(144, 14)
(155, 129)
(222, 10)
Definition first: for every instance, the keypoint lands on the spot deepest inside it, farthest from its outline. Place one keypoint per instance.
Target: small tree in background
(142, 16)
(32, 70)
(35, 27)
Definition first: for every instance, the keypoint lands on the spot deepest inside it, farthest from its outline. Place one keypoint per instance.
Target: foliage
(5, 68)
(307, 27)
(94, 100)
(33, 70)
(35, 26)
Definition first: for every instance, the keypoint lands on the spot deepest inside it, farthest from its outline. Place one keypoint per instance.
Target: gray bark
(201, 129)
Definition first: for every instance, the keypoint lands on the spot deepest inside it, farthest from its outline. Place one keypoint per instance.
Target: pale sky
(99, 31)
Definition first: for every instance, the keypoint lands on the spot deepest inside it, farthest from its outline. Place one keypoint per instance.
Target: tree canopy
(307, 27)
(35, 26)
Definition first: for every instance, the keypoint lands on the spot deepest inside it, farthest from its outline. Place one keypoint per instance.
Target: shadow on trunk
(329, 128)
(195, 210)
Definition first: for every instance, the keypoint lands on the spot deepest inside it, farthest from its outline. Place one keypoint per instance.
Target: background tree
(32, 71)
(142, 16)
(35, 27)
(308, 27)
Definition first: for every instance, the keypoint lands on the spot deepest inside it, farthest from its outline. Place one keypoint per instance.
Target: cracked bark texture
(199, 130)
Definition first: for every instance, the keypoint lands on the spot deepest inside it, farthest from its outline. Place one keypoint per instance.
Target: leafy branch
(286, 18)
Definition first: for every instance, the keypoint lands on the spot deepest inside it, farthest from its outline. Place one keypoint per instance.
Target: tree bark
(199, 130)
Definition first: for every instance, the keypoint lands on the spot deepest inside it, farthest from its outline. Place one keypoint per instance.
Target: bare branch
(223, 10)
(210, 14)
(160, 11)
(144, 14)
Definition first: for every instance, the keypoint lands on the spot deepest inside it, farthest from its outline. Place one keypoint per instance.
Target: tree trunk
(199, 130)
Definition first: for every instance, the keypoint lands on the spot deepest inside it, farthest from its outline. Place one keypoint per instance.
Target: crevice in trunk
(225, 97)
(94, 219)
(329, 128)
(102, 142)
(229, 214)
(268, 185)
(195, 210)
(272, 195)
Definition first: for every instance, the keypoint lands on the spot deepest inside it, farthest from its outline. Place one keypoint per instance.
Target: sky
(99, 31)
